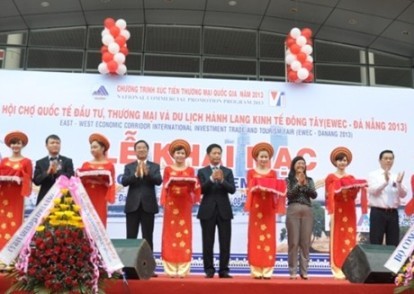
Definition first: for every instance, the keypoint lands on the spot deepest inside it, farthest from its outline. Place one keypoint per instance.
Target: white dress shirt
(383, 194)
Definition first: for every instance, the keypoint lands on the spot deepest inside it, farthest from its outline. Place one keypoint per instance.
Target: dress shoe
(154, 275)
(267, 278)
(258, 277)
(209, 275)
(225, 276)
(304, 277)
(292, 278)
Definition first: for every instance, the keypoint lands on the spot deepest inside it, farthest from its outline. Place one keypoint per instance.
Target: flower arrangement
(404, 279)
(60, 257)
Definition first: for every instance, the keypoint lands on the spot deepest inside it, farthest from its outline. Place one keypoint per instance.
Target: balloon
(106, 57)
(309, 58)
(114, 31)
(121, 23)
(124, 50)
(103, 68)
(307, 49)
(290, 41)
(112, 66)
(104, 49)
(301, 57)
(105, 32)
(121, 69)
(119, 58)
(307, 33)
(120, 40)
(113, 48)
(125, 33)
(308, 65)
(309, 78)
(295, 49)
(301, 40)
(290, 58)
(294, 33)
(303, 73)
(292, 76)
(107, 39)
(109, 22)
(296, 65)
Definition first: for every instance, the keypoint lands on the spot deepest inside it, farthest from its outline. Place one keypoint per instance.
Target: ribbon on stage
(403, 251)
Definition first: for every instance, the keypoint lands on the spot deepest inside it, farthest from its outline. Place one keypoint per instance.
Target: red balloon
(121, 40)
(290, 41)
(309, 41)
(109, 22)
(307, 33)
(112, 66)
(104, 49)
(124, 50)
(107, 57)
(294, 48)
(308, 65)
(292, 76)
(301, 57)
(310, 77)
(115, 31)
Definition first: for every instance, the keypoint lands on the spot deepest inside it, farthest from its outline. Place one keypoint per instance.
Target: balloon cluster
(298, 57)
(114, 49)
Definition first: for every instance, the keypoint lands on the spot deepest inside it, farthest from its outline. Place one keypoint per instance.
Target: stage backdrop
(298, 119)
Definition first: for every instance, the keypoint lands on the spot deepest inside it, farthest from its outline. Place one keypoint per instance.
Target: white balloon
(290, 58)
(301, 40)
(294, 33)
(103, 68)
(121, 23)
(107, 39)
(119, 58)
(126, 34)
(303, 73)
(295, 65)
(122, 69)
(307, 49)
(309, 58)
(105, 32)
(113, 48)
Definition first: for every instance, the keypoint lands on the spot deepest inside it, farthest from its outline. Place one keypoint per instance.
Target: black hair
(52, 137)
(292, 173)
(211, 146)
(141, 141)
(386, 151)
(340, 156)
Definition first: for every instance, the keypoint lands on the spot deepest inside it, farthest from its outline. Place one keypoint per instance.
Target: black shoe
(154, 275)
(209, 275)
(304, 277)
(225, 276)
(257, 277)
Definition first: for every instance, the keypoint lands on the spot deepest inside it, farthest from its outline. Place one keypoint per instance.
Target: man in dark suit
(49, 168)
(141, 176)
(217, 182)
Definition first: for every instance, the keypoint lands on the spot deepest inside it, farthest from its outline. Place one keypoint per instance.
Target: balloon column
(114, 49)
(299, 62)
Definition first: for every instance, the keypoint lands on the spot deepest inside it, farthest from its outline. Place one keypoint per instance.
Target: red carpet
(239, 284)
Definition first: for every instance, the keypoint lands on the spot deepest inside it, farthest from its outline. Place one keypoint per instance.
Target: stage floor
(197, 284)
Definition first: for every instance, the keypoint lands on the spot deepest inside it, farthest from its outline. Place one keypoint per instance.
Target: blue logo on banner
(100, 93)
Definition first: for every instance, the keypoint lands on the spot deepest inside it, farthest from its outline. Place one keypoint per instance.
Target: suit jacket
(45, 181)
(141, 190)
(215, 195)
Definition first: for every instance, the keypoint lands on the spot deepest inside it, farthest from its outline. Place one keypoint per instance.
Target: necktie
(53, 158)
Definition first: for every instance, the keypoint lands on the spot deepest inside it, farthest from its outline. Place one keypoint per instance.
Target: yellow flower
(54, 222)
(69, 213)
(64, 206)
(68, 200)
(59, 213)
(40, 228)
(65, 192)
(56, 200)
(76, 208)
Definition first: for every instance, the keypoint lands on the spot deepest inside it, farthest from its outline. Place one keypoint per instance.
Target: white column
(13, 54)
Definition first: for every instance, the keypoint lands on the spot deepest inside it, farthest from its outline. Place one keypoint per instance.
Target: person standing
(15, 183)
(49, 168)
(180, 191)
(141, 176)
(265, 197)
(385, 191)
(98, 176)
(217, 182)
(341, 191)
(299, 217)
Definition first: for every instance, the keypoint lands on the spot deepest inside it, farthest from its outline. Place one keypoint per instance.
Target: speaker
(137, 257)
(365, 264)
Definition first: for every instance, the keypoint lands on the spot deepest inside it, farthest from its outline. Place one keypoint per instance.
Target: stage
(197, 284)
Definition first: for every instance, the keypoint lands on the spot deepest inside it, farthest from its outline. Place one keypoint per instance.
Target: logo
(277, 99)
(101, 93)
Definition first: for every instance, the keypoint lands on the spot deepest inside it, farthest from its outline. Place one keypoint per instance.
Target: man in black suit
(217, 182)
(141, 176)
(49, 168)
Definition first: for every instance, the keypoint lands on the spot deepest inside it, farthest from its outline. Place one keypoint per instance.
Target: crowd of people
(210, 186)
